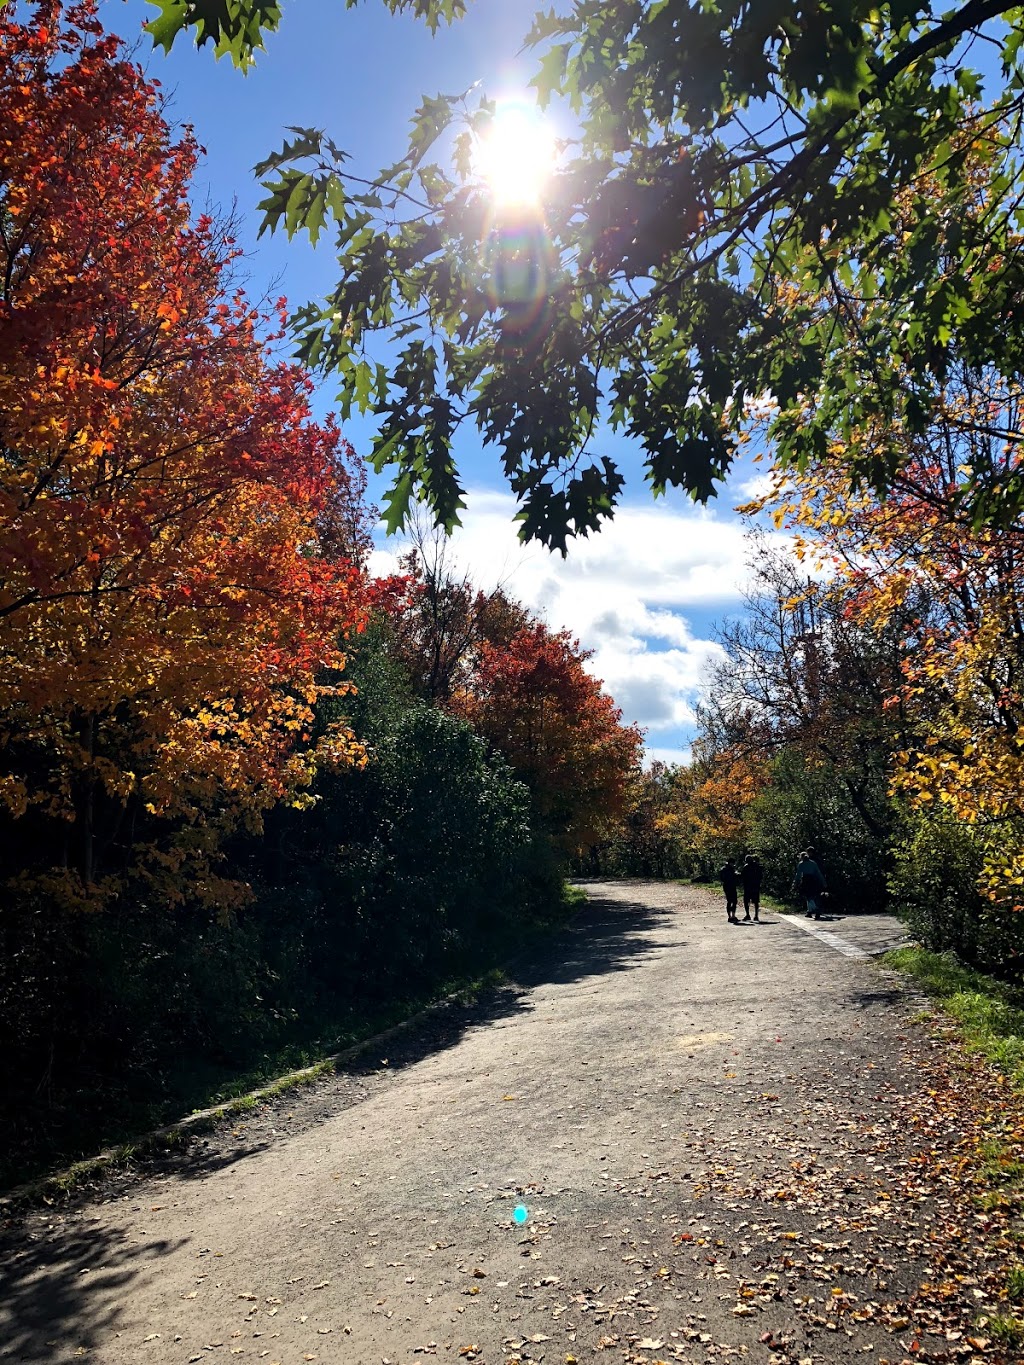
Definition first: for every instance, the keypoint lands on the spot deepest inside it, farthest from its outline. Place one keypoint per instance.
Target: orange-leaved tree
(709, 802)
(178, 540)
(531, 697)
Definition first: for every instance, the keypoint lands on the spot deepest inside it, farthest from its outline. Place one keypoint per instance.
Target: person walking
(729, 878)
(810, 882)
(751, 875)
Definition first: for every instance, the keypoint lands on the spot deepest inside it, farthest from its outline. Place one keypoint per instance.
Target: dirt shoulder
(731, 1141)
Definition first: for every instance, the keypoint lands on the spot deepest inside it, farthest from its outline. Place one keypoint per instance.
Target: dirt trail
(708, 1125)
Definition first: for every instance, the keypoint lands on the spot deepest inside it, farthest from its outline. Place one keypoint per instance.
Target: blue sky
(645, 593)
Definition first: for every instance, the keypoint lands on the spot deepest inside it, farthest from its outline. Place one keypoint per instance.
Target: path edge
(62, 1184)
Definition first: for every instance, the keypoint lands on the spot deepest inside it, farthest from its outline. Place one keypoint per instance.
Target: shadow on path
(51, 1276)
(55, 1289)
(605, 936)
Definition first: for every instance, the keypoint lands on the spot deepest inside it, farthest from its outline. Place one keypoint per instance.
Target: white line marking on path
(833, 940)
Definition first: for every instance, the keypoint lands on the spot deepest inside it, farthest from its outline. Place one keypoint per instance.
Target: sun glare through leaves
(516, 154)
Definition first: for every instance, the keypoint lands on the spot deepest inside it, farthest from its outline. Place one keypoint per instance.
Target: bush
(415, 860)
(937, 863)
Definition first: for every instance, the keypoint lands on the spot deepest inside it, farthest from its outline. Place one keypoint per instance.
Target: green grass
(1008, 1331)
(990, 1014)
(1015, 1284)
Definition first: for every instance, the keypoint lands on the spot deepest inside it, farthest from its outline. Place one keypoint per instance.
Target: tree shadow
(605, 936)
(56, 1289)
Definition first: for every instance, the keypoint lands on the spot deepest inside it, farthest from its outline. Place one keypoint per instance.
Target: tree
(438, 617)
(711, 800)
(644, 842)
(803, 674)
(172, 600)
(725, 151)
(954, 592)
(531, 697)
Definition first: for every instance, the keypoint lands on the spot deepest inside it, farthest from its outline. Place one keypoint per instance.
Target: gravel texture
(704, 1122)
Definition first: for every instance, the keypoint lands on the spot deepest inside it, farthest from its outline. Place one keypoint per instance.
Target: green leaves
(432, 12)
(668, 278)
(431, 119)
(302, 198)
(235, 29)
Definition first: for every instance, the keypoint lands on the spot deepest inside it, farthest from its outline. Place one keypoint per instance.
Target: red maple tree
(531, 696)
(179, 542)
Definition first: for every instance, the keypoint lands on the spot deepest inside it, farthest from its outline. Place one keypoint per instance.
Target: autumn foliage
(531, 696)
(167, 611)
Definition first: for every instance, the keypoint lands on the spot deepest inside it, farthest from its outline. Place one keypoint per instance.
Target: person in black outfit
(751, 875)
(729, 878)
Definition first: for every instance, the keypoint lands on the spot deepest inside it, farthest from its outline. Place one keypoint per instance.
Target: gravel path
(703, 1121)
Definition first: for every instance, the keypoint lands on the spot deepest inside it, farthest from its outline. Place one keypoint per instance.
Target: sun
(516, 154)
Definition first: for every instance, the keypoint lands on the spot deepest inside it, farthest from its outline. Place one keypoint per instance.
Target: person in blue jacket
(809, 881)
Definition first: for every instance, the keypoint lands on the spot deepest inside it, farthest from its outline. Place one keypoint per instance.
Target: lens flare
(517, 257)
(520, 1213)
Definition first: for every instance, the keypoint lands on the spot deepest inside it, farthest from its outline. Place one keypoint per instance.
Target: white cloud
(625, 593)
(757, 487)
(671, 756)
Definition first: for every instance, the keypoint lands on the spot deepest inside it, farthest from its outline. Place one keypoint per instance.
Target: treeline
(869, 705)
(250, 797)
(871, 698)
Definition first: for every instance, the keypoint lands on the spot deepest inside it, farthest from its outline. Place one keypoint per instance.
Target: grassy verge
(990, 1014)
(988, 1018)
(126, 1126)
